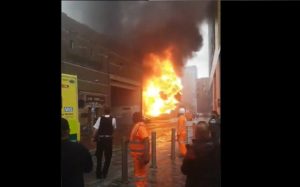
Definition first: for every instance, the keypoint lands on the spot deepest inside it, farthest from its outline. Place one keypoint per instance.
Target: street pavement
(167, 173)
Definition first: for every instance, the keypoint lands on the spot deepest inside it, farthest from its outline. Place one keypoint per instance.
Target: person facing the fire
(201, 164)
(140, 149)
(75, 159)
(181, 132)
(103, 135)
(214, 125)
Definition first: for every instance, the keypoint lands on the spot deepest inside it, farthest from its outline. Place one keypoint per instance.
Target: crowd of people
(201, 163)
(201, 159)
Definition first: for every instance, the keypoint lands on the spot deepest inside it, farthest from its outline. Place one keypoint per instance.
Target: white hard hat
(181, 110)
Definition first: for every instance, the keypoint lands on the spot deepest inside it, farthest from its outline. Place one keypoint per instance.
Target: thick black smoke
(141, 27)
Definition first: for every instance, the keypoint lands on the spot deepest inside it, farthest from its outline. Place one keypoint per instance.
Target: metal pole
(124, 161)
(92, 118)
(194, 127)
(153, 147)
(173, 144)
(187, 135)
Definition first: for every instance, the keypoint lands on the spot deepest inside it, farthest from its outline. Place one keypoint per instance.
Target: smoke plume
(143, 27)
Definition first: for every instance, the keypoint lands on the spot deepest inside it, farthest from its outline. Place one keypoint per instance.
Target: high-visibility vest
(136, 143)
(181, 129)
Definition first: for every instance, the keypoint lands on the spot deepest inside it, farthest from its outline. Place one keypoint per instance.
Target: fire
(162, 86)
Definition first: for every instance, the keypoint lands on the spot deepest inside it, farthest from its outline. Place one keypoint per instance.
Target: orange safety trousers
(140, 171)
(181, 144)
(137, 148)
(181, 135)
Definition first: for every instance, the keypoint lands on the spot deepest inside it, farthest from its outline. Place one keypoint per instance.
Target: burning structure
(159, 36)
(162, 86)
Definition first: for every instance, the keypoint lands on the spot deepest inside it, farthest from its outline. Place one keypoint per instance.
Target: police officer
(214, 125)
(103, 135)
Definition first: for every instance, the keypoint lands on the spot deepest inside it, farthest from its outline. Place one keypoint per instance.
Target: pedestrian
(140, 149)
(103, 135)
(181, 132)
(214, 125)
(201, 164)
(75, 159)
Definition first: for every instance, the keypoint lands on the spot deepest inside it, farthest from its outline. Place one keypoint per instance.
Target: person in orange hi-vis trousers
(181, 132)
(140, 149)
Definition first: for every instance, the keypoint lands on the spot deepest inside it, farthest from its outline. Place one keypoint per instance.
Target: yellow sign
(69, 111)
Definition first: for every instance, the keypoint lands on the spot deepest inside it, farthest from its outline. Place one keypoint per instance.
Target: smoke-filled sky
(147, 27)
(200, 58)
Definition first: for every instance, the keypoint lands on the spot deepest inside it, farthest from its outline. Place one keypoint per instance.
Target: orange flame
(162, 86)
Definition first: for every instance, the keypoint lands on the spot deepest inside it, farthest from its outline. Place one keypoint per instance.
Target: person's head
(137, 117)
(106, 110)
(65, 129)
(181, 111)
(202, 131)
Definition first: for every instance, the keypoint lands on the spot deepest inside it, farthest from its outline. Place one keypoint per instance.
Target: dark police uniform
(104, 145)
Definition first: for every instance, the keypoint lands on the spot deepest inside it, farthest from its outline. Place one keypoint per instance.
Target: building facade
(203, 96)
(215, 62)
(189, 92)
(104, 76)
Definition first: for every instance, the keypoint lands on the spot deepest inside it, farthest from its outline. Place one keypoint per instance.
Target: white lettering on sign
(68, 109)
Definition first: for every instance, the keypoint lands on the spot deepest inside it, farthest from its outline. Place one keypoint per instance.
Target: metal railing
(189, 137)
(153, 149)
(173, 144)
(124, 160)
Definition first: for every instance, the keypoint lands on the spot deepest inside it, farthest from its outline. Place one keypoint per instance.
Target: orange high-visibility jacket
(181, 129)
(137, 135)
(181, 135)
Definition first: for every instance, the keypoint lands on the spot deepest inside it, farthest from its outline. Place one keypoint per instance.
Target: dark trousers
(104, 145)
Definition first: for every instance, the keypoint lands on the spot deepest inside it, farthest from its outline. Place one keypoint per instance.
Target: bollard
(153, 147)
(124, 160)
(187, 135)
(173, 144)
(194, 129)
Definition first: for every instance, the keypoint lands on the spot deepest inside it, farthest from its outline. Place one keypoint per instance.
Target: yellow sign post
(69, 111)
